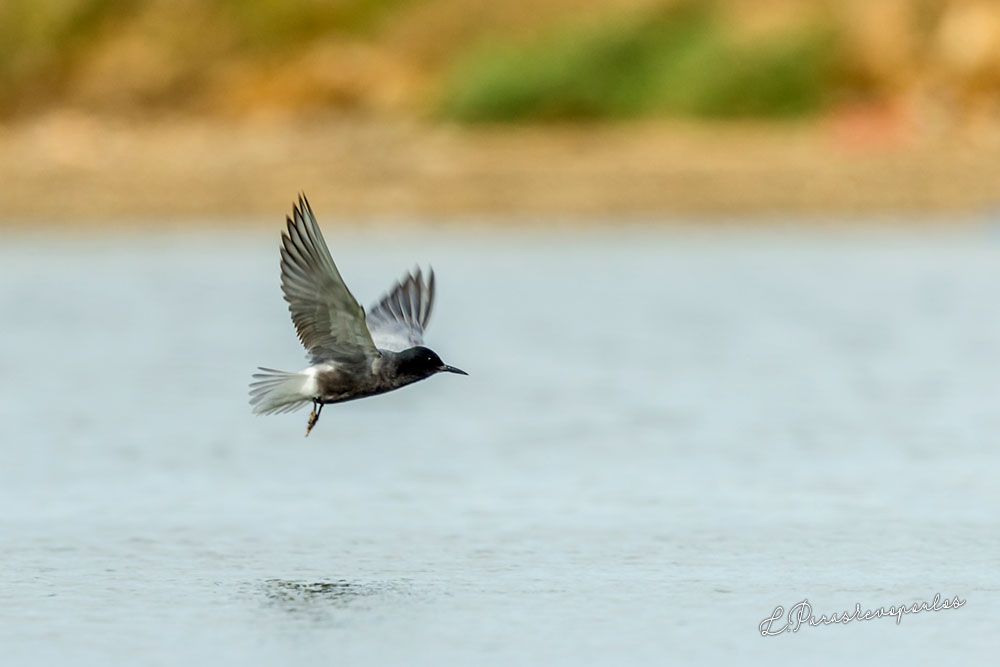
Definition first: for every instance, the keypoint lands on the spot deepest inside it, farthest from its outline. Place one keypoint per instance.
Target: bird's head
(421, 361)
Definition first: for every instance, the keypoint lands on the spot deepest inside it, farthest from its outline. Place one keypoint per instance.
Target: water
(665, 434)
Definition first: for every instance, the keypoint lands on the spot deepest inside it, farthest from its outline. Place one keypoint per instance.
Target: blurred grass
(275, 24)
(674, 61)
(39, 41)
(500, 60)
(44, 42)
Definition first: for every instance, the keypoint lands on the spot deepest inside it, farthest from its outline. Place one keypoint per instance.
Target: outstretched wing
(398, 320)
(329, 320)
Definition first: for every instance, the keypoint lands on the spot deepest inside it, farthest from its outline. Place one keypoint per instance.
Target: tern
(352, 354)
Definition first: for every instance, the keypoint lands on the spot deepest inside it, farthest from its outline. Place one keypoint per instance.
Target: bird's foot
(313, 417)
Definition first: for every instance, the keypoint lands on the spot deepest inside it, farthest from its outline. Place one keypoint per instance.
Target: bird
(352, 353)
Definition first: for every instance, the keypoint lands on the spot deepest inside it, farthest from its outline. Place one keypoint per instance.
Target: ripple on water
(325, 599)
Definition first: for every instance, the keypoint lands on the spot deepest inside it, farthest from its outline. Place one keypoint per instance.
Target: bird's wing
(398, 320)
(329, 320)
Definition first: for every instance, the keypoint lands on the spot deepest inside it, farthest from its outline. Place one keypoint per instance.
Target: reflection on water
(664, 436)
(314, 600)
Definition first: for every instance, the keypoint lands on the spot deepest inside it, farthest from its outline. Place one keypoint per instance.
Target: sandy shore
(72, 168)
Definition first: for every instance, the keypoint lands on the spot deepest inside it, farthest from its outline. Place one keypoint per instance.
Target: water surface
(665, 434)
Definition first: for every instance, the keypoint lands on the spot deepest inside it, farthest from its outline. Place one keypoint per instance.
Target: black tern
(351, 354)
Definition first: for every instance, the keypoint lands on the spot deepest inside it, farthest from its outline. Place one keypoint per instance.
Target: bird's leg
(313, 417)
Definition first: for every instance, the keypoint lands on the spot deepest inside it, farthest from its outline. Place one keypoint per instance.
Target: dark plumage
(352, 354)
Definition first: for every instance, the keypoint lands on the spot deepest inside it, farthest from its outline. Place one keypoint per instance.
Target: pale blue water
(665, 434)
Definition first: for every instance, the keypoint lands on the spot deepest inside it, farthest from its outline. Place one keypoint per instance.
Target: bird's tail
(274, 392)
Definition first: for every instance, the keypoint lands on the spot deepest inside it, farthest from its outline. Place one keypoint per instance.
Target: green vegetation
(472, 61)
(277, 24)
(42, 42)
(38, 41)
(678, 61)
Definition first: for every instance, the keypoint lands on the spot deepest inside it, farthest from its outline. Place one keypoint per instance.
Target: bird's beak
(452, 369)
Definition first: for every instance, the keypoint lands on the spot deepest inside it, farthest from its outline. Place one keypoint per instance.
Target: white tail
(274, 392)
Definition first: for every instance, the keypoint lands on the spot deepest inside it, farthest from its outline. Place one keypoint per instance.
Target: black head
(421, 361)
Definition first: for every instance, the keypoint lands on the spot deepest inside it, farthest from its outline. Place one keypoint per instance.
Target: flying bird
(352, 354)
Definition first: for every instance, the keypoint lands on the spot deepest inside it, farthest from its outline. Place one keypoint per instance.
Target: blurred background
(450, 108)
(725, 275)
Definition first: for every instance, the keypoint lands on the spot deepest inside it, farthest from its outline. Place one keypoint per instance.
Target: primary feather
(398, 320)
(327, 317)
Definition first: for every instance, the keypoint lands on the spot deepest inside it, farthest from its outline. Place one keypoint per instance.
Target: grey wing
(327, 317)
(398, 320)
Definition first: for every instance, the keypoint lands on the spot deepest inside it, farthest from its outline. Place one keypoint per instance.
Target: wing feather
(398, 320)
(329, 320)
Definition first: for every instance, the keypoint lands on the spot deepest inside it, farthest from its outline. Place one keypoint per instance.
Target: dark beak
(452, 369)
